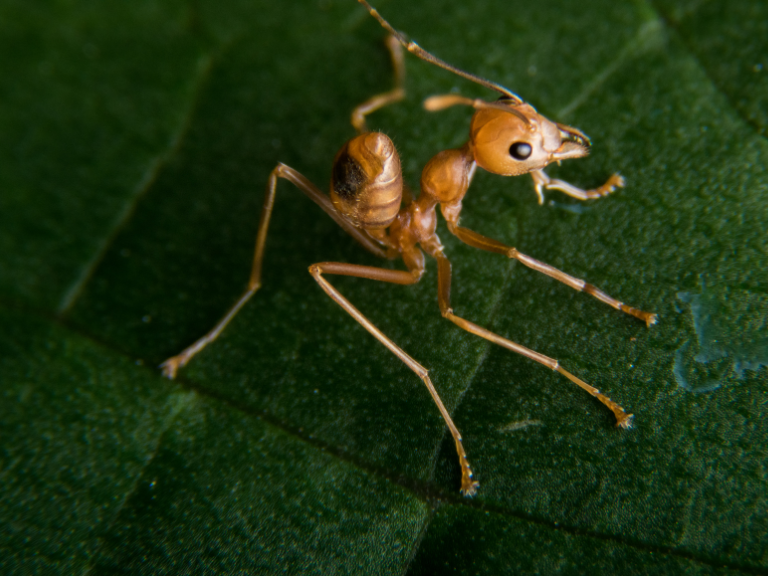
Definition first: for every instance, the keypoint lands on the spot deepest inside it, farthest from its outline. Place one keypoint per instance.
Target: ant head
(508, 136)
(511, 138)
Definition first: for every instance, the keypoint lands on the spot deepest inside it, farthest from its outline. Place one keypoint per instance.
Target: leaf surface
(137, 143)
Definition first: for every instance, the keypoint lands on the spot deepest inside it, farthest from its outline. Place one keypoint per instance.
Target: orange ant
(368, 200)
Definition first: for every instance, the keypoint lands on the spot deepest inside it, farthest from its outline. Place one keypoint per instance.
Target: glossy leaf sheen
(136, 142)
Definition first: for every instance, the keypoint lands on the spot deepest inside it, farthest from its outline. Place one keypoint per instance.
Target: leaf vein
(140, 190)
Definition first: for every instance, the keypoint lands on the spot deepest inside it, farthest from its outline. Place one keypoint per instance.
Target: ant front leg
(171, 366)
(542, 181)
(623, 420)
(488, 244)
(415, 263)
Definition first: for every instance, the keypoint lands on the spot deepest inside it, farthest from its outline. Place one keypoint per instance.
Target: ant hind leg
(171, 366)
(623, 420)
(468, 484)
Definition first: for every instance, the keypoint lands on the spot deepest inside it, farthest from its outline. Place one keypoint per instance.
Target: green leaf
(137, 139)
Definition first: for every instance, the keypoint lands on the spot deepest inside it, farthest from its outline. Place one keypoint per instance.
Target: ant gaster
(368, 200)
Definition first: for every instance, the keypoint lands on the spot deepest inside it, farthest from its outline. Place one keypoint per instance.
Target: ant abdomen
(367, 182)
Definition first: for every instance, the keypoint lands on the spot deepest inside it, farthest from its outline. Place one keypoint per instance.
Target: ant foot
(624, 420)
(469, 487)
(172, 365)
(615, 181)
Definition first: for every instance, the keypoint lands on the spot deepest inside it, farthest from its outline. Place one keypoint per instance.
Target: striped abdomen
(367, 182)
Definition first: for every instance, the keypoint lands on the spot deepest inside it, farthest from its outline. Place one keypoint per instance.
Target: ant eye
(520, 150)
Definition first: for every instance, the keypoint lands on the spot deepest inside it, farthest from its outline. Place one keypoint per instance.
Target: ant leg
(381, 100)
(479, 241)
(171, 366)
(623, 420)
(468, 485)
(418, 51)
(542, 181)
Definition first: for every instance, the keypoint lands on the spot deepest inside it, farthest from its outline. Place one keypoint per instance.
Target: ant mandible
(367, 199)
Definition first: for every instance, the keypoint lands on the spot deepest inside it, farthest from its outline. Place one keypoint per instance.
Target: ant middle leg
(623, 420)
(380, 100)
(468, 484)
(476, 240)
(171, 366)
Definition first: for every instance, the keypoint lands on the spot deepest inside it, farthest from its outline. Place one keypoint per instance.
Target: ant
(369, 201)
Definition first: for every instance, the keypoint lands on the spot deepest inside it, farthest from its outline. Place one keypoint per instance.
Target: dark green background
(135, 142)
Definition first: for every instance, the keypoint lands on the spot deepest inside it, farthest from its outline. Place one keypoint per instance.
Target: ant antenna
(443, 101)
(417, 50)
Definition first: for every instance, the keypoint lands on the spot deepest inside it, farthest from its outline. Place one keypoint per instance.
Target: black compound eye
(520, 150)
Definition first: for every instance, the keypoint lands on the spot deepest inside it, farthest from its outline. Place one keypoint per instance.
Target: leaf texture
(137, 139)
